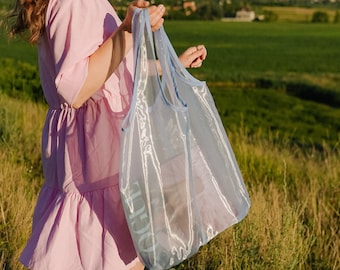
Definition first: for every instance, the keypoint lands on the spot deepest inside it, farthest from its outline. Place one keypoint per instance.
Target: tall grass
(294, 219)
(293, 223)
(20, 175)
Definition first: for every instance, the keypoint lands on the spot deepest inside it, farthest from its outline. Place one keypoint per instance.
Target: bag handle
(142, 36)
(141, 24)
(138, 24)
(167, 64)
(167, 54)
(142, 33)
(169, 59)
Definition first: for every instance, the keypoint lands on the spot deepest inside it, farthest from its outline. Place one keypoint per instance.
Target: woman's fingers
(141, 3)
(196, 63)
(193, 57)
(203, 51)
(156, 14)
(127, 22)
(198, 56)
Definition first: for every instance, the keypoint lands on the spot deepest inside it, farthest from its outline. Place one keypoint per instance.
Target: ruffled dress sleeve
(74, 31)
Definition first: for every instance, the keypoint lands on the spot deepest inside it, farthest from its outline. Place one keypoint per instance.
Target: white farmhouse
(245, 15)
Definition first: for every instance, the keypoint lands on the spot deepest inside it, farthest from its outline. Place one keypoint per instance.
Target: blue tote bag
(179, 180)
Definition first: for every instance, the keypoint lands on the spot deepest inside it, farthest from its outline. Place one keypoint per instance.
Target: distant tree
(320, 17)
(270, 16)
(173, 14)
(210, 10)
(229, 9)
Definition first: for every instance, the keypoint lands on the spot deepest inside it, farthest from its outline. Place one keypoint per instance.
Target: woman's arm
(104, 61)
(107, 57)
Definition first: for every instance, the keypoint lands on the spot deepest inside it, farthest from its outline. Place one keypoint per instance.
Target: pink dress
(79, 223)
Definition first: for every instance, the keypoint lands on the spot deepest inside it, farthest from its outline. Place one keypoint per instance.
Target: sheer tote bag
(179, 180)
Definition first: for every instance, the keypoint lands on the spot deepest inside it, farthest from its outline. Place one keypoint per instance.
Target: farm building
(243, 15)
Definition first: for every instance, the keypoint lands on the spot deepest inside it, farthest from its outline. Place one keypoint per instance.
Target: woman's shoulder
(84, 7)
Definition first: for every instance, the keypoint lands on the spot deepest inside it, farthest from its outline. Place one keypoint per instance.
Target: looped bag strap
(141, 28)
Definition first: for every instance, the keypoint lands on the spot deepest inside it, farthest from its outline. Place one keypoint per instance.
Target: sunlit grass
(299, 14)
(20, 174)
(293, 222)
(295, 215)
(294, 219)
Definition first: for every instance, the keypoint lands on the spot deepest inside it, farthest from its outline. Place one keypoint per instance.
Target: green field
(277, 89)
(17, 49)
(243, 51)
(282, 77)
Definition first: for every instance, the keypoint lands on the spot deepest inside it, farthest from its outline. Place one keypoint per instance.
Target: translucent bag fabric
(179, 180)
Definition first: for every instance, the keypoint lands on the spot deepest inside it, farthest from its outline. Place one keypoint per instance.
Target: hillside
(269, 76)
(277, 89)
(293, 222)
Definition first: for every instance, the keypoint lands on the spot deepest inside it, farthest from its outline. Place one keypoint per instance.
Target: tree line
(216, 9)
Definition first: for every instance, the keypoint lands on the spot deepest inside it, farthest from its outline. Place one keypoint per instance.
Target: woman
(86, 71)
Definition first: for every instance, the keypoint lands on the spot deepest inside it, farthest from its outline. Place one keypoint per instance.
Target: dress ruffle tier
(79, 221)
(79, 231)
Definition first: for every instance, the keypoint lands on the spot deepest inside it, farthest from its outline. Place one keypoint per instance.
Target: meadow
(271, 75)
(277, 89)
(299, 14)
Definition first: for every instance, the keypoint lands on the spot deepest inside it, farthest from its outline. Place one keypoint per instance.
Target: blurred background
(273, 68)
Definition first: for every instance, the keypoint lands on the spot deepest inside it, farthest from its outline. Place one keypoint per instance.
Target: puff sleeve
(75, 29)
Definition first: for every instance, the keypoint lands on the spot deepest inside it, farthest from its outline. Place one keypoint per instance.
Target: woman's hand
(156, 14)
(193, 57)
(156, 17)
